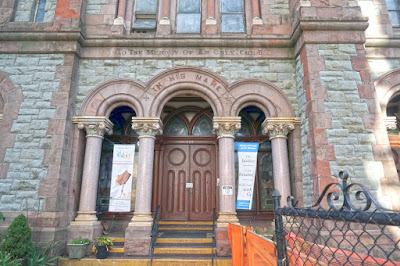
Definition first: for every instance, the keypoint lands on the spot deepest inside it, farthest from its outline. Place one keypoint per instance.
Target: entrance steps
(178, 244)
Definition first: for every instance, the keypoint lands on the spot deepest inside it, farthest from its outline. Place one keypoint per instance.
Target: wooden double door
(188, 181)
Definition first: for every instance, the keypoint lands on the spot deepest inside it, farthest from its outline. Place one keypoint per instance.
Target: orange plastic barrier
(260, 250)
(306, 253)
(248, 248)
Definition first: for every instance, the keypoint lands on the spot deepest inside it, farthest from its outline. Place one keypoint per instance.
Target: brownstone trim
(12, 98)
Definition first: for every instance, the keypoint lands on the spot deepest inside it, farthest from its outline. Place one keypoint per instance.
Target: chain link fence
(347, 226)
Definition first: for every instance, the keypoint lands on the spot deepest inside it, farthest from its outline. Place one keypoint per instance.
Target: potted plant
(102, 246)
(77, 248)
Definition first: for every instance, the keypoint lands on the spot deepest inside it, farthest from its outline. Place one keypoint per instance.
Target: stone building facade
(314, 82)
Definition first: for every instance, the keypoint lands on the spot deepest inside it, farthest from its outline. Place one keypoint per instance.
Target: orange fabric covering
(248, 248)
(301, 252)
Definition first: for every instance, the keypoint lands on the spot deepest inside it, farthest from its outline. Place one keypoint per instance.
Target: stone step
(226, 261)
(180, 250)
(184, 240)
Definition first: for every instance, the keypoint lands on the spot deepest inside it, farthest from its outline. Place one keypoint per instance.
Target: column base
(141, 219)
(226, 218)
(85, 219)
(137, 240)
(222, 242)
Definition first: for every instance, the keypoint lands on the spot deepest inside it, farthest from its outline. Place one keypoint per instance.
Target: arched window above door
(188, 121)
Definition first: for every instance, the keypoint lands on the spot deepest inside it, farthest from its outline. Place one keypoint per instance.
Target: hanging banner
(247, 159)
(121, 178)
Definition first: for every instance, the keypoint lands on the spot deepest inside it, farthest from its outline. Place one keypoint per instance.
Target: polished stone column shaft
(147, 128)
(278, 128)
(95, 128)
(226, 128)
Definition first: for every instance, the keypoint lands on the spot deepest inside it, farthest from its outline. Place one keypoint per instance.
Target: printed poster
(121, 178)
(247, 160)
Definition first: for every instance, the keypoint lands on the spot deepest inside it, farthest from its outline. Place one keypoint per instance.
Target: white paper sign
(121, 178)
(189, 185)
(247, 155)
(227, 190)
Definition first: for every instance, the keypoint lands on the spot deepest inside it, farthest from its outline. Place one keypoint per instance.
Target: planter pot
(102, 252)
(77, 251)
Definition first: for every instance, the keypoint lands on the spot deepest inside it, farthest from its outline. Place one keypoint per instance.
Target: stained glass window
(40, 11)
(188, 19)
(145, 16)
(245, 129)
(202, 127)
(394, 12)
(176, 127)
(232, 16)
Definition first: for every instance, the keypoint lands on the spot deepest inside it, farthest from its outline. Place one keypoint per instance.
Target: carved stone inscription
(183, 76)
(193, 52)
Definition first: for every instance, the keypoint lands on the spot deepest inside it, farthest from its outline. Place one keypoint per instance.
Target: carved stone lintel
(227, 127)
(95, 126)
(279, 127)
(147, 126)
(390, 122)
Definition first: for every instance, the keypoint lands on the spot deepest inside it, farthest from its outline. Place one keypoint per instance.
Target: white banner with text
(247, 159)
(121, 178)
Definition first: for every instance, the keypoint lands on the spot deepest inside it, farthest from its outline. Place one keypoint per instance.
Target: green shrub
(7, 260)
(42, 257)
(17, 240)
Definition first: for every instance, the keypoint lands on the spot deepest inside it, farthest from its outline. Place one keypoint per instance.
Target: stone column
(120, 20)
(164, 26)
(226, 128)
(255, 4)
(1, 117)
(95, 127)
(278, 128)
(137, 234)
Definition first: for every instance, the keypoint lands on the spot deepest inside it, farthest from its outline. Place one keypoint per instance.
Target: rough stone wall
(308, 185)
(351, 140)
(25, 9)
(36, 75)
(280, 72)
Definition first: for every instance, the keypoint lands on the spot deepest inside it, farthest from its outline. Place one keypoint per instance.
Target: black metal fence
(347, 226)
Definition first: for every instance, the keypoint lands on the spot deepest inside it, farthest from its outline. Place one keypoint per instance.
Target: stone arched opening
(103, 99)
(262, 94)
(187, 80)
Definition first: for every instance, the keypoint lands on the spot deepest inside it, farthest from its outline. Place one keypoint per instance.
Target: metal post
(279, 232)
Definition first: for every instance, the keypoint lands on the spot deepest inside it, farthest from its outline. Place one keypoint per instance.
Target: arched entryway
(185, 170)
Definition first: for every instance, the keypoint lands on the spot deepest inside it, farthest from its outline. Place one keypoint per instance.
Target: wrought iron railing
(154, 234)
(213, 239)
(347, 226)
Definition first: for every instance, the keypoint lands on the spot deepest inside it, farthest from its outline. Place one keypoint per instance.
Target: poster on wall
(247, 160)
(121, 178)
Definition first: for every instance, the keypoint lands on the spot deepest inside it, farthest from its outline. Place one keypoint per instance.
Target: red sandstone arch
(11, 99)
(387, 86)
(112, 94)
(263, 94)
(192, 80)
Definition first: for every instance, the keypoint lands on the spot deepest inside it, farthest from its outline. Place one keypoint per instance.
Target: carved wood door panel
(175, 196)
(188, 182)
(202, 175)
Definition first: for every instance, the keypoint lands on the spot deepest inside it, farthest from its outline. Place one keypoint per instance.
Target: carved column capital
(147, 126)
(95, 126)
(227, 127)
(279, 127)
